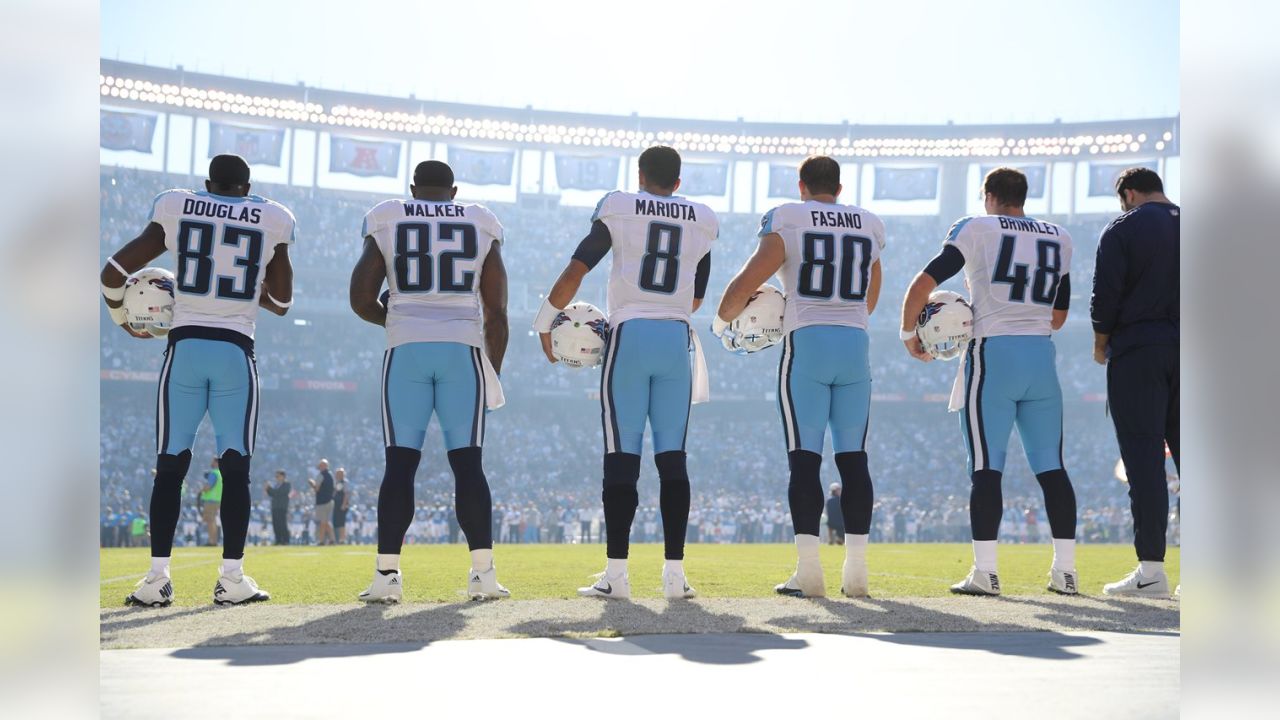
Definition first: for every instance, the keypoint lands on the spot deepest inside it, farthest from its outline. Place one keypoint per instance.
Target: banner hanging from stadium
(482, 167)
(782, 181)
(126, 130)
(577, 172)
(703, 178)
(366, 158)
(1102, 177)
(257, 145)
(1035, 177)
(906, 184)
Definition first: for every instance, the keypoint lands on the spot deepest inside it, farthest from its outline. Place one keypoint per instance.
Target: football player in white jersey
(828, 258)
(661, 246)
(1018, 273)
(446, 320)
(232, 252)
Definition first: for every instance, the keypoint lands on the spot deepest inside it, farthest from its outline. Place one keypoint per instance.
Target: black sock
(805, 491)
(395, 498)
(1059, 503)
(857, 496)
(986, 504)
(234, 510)
(620, 497)
(166, 500)
(471, 497)
(673, 501)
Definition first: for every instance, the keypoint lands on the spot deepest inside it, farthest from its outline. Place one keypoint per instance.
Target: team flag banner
(126, 130)
(782, 181)
(366, 158)
(906, 184)
(1102, 178)
(1035, 177)
(703, 178)
(482, 167)
(257, 145)
(577, 172)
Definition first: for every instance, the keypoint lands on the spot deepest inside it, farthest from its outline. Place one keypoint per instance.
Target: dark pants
(280, 520)
(1142, 391)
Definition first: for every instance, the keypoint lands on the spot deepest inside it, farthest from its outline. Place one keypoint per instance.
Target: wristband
(546, 315)
(114, 294)
(112, 262)
(906, 335)
(117, 314)
(278, 303)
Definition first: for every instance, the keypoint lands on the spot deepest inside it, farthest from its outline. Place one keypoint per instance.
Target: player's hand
(1100, 354)
(135, 333)
(915, 349)
(546, 347)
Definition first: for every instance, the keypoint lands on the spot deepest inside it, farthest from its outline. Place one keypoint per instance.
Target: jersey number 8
(657, 256)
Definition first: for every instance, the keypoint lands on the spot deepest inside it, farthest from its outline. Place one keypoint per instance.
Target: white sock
(1064, 554)
(807, 547)
(482, 559)
(388, 562)
(160, 566)
(615, 567)
(673, 566)
(1150, 568)
(855, 548)
(984, 555)
(232, 568)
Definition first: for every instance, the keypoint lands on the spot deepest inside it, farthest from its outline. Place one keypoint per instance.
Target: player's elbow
(1058, 320)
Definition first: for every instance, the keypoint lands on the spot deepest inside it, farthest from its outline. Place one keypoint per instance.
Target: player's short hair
(661, 165)
(821, 174)
(1008, 185)
(1139, 179)
(282, 473)
(228, 170)
(433, 173)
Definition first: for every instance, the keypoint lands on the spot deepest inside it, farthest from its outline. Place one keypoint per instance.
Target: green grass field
(437, 573)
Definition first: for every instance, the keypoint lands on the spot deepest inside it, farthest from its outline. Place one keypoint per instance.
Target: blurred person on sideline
(324, 490)
(341, 503)
(279, 494)
(835, 518)
(211, 501)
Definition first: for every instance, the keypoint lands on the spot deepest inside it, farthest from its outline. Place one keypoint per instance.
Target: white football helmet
(148, 301)
(945, 326)
(578, 335)
(759, 325)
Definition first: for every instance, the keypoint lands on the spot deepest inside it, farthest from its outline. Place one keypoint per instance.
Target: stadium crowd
(319, 370)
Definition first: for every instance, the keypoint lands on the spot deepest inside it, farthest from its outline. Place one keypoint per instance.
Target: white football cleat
(237, 589)
(386, 588)
(152, 591)
(1177, 592)
(485, 585)
(676, 587)
(978, 582)
(616, 587)
(805, 582)
(1138, 585)
(853, 579)
(1063, 582)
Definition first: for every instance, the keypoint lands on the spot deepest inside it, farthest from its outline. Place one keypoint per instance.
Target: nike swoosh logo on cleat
(607, 589)
(1142, 585)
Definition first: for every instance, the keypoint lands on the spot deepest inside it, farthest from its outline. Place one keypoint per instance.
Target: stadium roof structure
(284, 105)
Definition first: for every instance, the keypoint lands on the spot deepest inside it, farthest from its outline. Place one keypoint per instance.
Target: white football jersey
(657, 243)
(830, 249)
(1012, 267)
(223, 245)
(434, 251)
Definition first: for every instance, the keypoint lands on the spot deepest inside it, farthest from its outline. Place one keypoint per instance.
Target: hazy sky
(906, 61)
